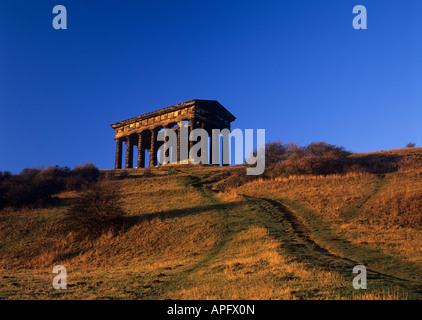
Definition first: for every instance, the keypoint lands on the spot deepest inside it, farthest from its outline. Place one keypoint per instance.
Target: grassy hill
(187, 235)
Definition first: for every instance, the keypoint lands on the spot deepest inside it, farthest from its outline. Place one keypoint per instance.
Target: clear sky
(295, 68)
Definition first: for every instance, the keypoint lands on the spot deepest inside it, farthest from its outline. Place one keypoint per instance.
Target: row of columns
(154, 146)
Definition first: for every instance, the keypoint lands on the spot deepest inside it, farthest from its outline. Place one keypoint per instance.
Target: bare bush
(97, 210)
(36, 188)
(318, 158)
(275, 152)
(82, 176)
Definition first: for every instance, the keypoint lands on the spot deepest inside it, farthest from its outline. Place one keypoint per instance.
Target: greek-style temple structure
(142, 131)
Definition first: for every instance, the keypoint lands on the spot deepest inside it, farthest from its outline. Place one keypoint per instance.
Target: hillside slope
(185, 238)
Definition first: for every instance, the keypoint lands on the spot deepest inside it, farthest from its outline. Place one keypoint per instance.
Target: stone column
(141, 153)
(118, 163)
(153, 152)
(129, 153)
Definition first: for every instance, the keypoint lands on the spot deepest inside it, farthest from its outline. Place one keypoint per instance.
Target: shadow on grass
(169, 214)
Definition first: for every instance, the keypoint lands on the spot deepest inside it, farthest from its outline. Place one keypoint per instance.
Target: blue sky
(295, 68)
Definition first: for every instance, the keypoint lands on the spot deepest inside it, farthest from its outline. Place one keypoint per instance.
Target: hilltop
(189, 234)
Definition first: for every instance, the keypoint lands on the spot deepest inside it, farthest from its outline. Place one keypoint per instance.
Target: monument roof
(211, 105)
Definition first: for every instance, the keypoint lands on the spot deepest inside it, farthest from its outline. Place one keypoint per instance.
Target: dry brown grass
(181, 241)
(245, 269)
(327, 195)
(383, 214)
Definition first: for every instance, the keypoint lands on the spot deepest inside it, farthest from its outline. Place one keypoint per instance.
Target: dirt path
(301, 230)
(304, 233)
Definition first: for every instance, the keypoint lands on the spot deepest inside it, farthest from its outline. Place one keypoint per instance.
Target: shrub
(410, 145)
(82, 176)
(274, 152)
(36, 188)
(26, 190)
(318, 158)
(97, 210)
(4, 175)
(323, 149)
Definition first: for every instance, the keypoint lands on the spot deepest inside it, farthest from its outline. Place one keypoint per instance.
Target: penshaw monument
(142, 131)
